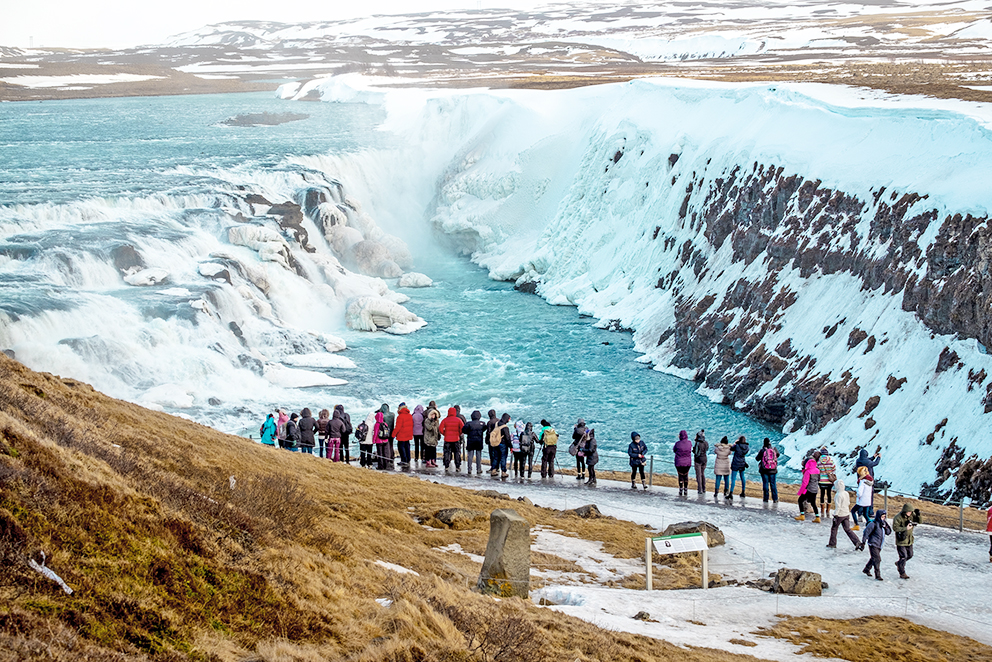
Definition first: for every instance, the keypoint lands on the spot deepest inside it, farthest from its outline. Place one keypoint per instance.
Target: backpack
(578, 445)
(383, 432)
(361, 432)
(496, 436)
(550, 437)
(526, 442)
(769, 461)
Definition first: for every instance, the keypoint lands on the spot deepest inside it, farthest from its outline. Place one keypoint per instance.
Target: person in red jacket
(403, 433)
(451, 433)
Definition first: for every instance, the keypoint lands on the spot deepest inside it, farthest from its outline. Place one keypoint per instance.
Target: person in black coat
(293, 433)
(738, 463)
(308, 431)
(475, 434)
(346, 433)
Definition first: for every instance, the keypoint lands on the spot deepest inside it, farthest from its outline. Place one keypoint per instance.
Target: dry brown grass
(134, 509)
(876, 639)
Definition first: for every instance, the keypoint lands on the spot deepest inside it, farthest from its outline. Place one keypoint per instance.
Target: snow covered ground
(948, 589)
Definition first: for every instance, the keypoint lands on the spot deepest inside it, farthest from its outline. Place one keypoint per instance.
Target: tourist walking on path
(637, 451)
(335, 432)
(475, 439)
(866, 493)
(828, 474)
(451, 433)
(874, 538)
(418, 433)
(322, 420)
(842, 517)
(809, 488)
(346, 433)
(293, 433)
(403, 433)
(549, 440)
(432, 436)
(767, 459)
(903, 525)
(578, 440)
(268, 431)
(738, 464)
(591, 456)
(721, 467)
(683, 461)
(699, 450)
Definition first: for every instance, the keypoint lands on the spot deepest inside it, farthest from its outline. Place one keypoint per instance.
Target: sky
(125, 23)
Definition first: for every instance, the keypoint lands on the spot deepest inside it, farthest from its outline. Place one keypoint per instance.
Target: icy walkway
(948, 589)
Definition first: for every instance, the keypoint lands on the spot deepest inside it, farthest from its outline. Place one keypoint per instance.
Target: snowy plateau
(816, 256)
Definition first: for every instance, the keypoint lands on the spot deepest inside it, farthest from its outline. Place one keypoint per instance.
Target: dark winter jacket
(589, 450)
(346, 417)
(637, 451)
(740, 448)
(404, 425)
(869, 462)
(335, 429)
(683, 450)
(388, 417)
(874, 534)
(903, 525)
(418, 420)
(308, 428)
(759, 458)
(292, 434)
(528, 440)
(322, 424)
(451, 427)
(475, 431)
(506, 437)
(579, 430)
(700, 448)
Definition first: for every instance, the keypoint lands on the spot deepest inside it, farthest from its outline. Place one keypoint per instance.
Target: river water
(80, 178)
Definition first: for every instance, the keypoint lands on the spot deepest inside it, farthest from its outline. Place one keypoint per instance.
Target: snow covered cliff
(814, 256)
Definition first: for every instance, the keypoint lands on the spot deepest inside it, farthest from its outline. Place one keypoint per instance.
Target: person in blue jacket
(738, 463)
(874, 536)
(268, 431)
(637, 450)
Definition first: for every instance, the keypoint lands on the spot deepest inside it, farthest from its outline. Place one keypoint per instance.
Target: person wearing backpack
(519, 456)
(721, 467)
(432, 435)
(637, 451)
(874, 537)
(549, 439)
(699, 450)
(828, 474)
(365, 450)
(268, 431)
(451, 433)
(809, 488)
(491, 425)
(281, 428)
(346, 433)
(528, 440)
(383, 445)
(293, 433)
(578, 441)
(500, 439)
(767, 459)
(475, 439)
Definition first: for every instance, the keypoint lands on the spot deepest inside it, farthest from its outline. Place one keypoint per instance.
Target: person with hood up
(683, 461)
(528, 441)
(322, 421)
(578, 440)
(866, 494)
(475, 439)
(590, 454)
(346, 434)
(637, 451)
(874, 537)
(418, 433)
(491, 425)
(699, 450)
(549, 440)
(383, 432)
(828, 474)
(869, 462)
(842, 517)
(281, 422)
(519, 454)
(500, 438)
(308, 430)
(721, 467)
(403, 433)
(293, 433)
(903, 526)
(432, 435)
(335, 432)
(767, 459)
(367, 440)
(809, 488)
(451, 432)
(268, 431)
(738, 464)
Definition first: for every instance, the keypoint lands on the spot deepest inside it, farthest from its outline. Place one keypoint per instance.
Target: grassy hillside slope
(135, 510)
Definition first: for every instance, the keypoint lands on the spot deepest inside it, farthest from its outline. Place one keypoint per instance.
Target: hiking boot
(867, 572)
(831, 546)
(855, 528)
(800, 518)
(633, 485)
(903, 576)
(816, 519)
(878, 578)
(645, 486)
(728, 497)
(860, 547)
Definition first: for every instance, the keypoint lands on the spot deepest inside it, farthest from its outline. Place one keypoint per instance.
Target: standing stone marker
(506, 570)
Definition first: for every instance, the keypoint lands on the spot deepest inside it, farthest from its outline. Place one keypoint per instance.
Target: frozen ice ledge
(816, 257)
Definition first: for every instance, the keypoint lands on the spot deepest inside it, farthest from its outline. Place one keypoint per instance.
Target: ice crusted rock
(146, 277)
(280, 375)
(374, 259)
(375, 313)
(268, 243)
(506, 570)
(797, 582)
(414, 279)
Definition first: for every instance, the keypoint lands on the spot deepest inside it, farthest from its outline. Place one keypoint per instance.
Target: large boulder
(506, 570)
(414, 279)
(373, 313)
(459, 518)
(588, 511)
(797, 582)
(714, 536)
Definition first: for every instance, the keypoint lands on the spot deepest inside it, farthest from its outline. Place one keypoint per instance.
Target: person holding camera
(903, 526)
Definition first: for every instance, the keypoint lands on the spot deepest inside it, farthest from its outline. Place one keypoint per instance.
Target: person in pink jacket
(810, 487)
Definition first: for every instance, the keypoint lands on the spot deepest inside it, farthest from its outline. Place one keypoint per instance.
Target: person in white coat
(866, 493)
(842, 516)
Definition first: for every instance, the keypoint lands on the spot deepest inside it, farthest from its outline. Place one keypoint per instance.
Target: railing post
(648, 562)
(651, 472)
(961, 515)
(885, 498)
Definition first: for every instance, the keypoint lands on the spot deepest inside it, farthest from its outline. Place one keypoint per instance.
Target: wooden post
(648, 561)
(705, 553)
(961, 515)
(885, 498)
(651, 472)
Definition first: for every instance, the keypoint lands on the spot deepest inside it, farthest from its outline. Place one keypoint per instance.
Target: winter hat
(683, 436)
(519, 426)
(581, 422)
(906, 508)
(294, 416)
(634, 436)
(823, 450)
